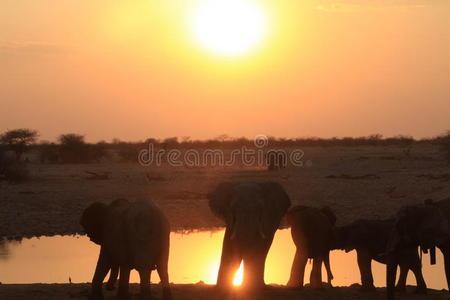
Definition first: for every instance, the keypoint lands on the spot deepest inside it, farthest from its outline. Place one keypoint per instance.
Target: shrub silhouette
(48, 152)
(73, 148)
(128, 154)
(98, 151)
(19, 140)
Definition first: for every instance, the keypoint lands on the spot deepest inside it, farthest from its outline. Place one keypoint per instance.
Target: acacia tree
(19, 140)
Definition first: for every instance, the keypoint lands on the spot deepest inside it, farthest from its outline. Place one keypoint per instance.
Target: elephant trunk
(248, 229)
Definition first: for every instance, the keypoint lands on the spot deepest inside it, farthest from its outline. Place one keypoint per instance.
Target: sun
(229, 27)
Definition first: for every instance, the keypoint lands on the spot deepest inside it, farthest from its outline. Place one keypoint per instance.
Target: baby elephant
(312, 230)
(369, 238)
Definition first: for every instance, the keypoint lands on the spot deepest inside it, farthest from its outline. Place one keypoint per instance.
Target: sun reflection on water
(239, 275)
(194, 257)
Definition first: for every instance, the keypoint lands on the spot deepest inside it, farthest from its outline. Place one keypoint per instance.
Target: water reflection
(194, 257)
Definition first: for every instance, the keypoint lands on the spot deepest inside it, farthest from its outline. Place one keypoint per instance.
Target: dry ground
(369, 182)
(201, 292)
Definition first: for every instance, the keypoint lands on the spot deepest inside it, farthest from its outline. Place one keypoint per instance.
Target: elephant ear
(93, 220)
(219, 200)
(277, 203)
(410, 219)
(326, 210)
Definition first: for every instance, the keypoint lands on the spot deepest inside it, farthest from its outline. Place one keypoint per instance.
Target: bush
(128, 153)
(48, 153)
(98, 151)
(73, 148)
(12, 170)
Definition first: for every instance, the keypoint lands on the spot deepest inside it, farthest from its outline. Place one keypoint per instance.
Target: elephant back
(444, 205)
(370, 235)
(147, 234)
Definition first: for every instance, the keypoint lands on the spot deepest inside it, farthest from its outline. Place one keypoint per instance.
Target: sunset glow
(268, 64)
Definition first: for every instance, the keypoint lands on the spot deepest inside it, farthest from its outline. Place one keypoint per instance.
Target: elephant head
(250, 210)
(94, 218)
(360, 234)
(350, 236)
(419, 225)
(93, 221)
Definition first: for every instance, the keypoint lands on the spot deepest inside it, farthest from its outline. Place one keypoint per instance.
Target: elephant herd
(135, 235)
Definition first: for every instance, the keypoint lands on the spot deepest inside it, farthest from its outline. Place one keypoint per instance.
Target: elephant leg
(113, 278)
(144, 275)
(254, 264)
(164, 276)
(229, 262)
(446, 253)
(328, 269)
(315, 278)
(101, 270)
(391, 274)
(298, 269)
(365, 268)
(124, 280)
(401, 283)
(420, 281)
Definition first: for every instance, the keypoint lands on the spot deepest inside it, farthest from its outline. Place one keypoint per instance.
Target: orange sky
(131, 69)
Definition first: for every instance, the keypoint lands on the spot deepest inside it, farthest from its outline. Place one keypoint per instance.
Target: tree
(73, 148)
(19, 140)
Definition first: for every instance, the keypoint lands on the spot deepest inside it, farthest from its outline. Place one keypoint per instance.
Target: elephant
(312, 230)
(252, 212)
(369, 238)
(422, 225)
(131, 235)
